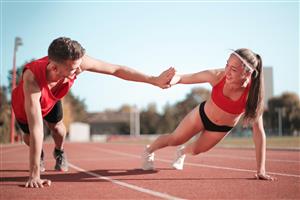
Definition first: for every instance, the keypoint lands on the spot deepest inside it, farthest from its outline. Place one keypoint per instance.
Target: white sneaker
(179, 158)
(147, 159)
(42, 165)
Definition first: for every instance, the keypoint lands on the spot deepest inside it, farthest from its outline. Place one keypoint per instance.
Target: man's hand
(163, 80)
(37, 183)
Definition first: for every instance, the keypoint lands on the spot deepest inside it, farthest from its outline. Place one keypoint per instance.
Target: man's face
(68, 69)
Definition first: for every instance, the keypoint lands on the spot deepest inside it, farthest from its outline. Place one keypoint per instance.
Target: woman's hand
(176, 78)
(163, 80)
(264, 176)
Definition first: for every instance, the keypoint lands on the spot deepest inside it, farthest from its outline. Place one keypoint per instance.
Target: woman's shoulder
(216, 75)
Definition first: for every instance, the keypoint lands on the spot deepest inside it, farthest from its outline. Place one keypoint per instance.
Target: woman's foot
(179, 158)
(147, 159)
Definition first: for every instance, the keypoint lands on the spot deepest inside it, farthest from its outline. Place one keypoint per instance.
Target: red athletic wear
(48, 98)
(225, 103)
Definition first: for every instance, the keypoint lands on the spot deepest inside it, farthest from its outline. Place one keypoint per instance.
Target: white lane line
(130, 186)
(195, 164)
(169, 161)
(210, 154)
(70, 159)
(235, 169)
(250, 158)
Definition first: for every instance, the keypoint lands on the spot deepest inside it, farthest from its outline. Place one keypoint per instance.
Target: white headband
(243, 60)
(246, 64)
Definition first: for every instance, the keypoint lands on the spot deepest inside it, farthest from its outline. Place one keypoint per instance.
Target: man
(44, 82)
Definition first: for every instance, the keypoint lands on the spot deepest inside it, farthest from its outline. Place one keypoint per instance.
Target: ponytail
(255, 101)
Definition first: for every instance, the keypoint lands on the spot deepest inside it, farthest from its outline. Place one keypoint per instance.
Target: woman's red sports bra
(227, 104)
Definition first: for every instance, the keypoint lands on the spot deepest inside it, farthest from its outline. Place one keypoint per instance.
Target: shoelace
(60, 158)
(149, 156)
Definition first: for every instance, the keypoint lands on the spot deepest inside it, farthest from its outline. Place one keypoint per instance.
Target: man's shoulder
(30, 81)
(34, 70)
(28, 76)
(39, 61)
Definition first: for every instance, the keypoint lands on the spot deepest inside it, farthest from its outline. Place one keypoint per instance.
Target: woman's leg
(187, 128)
(205, 142)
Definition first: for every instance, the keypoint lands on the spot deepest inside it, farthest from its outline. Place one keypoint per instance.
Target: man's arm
(126, 73)
(32, 96)
(259, 138)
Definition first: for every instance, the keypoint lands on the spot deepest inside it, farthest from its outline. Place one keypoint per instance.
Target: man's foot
(61, 160)
(147, 159)
(42, 162)
(179, 158)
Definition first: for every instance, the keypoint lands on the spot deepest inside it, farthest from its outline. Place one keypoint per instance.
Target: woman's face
(234, 70)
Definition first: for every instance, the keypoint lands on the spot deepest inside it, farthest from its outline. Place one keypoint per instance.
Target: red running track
(112, 171)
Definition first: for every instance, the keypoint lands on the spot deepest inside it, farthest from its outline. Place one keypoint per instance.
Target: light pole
(18, 42)
(134, 121)
(280, 111)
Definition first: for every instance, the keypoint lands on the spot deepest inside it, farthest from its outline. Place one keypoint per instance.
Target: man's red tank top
(225, 103)
(48, 99)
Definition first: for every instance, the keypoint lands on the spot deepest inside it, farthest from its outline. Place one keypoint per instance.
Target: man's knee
(58, 128)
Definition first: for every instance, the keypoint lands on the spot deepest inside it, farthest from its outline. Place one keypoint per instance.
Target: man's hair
(63, 49)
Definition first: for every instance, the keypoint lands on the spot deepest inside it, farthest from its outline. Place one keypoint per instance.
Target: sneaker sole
(61, 170)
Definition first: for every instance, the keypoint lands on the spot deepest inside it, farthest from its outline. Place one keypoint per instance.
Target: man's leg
(58, 130)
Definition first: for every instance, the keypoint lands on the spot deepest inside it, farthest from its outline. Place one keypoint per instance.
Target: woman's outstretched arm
(259, 138)
(206, 76)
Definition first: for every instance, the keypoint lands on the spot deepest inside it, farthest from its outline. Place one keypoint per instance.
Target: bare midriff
(219, 116)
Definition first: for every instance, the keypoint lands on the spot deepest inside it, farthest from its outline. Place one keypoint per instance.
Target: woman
(237, 90)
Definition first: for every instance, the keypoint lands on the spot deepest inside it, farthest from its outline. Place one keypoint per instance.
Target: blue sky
(150, 37)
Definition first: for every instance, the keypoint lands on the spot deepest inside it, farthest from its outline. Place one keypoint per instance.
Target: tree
(174, 114)
(19, 71)
(294, 118)
(194, 98)
(168, 122)
(125, 108)
(289, 105)
(149, 119)
(74, 108)
(4, 116)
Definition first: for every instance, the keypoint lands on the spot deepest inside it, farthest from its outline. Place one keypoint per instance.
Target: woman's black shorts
(209, 125)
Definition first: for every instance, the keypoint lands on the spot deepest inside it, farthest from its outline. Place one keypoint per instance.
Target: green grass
(272, 142)
(239, 142)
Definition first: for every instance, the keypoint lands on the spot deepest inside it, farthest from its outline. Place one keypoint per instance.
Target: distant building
(108, 123)
(79, 132)
(269, 84)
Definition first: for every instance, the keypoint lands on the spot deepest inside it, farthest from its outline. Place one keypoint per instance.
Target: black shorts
(54, 116)
(209, 125)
